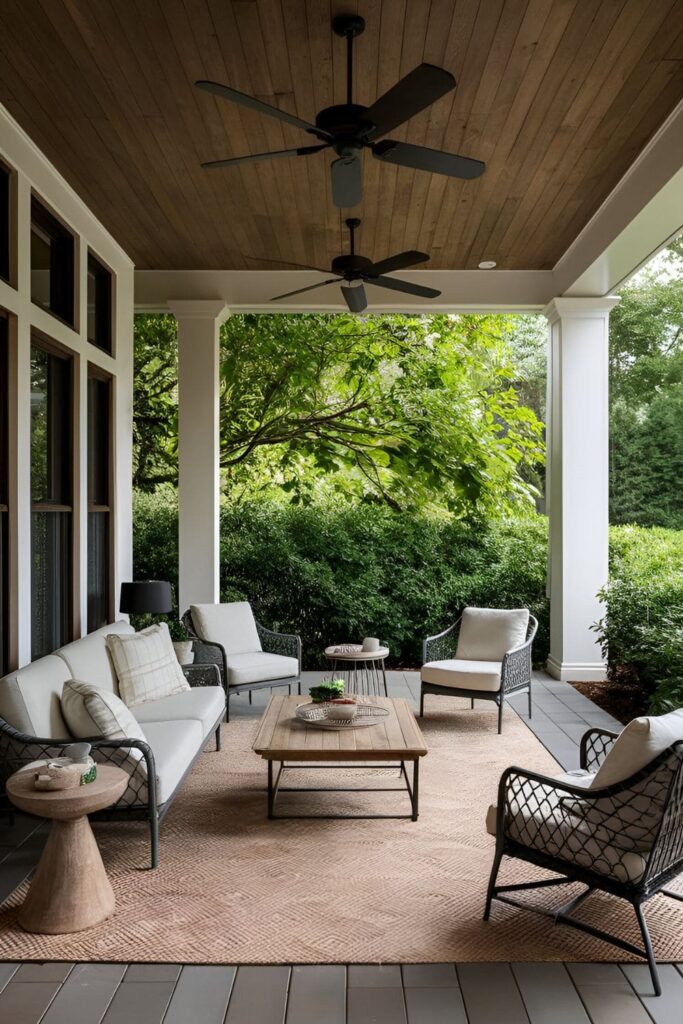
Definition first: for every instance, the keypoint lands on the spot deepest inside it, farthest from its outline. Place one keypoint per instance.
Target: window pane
(4, 595)
(98, 441)
(4, 494)
(98, 570)
(99, 304)
(4, 222)
(50, 581)
(52, 263)
(50, 428)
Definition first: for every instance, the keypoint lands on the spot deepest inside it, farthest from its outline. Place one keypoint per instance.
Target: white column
(198, 448)
(577, 484)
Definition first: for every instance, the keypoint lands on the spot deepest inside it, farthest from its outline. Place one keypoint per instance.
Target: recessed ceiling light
(487, 264)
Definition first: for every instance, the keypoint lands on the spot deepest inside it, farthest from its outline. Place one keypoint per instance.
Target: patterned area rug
(233, 887)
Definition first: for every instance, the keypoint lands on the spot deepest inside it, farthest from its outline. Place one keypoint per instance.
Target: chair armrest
(516, 667)
(595, 745)
(206, 652)
(202, 674)
(287, 644)
(442, 646)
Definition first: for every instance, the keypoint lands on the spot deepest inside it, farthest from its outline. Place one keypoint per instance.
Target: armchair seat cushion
(202, 703)
(259, 667)
(461, 674)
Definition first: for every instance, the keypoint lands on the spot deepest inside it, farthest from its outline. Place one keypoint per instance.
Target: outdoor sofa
(176, 727)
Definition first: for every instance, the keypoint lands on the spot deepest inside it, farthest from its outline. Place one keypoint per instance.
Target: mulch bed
(621, 699)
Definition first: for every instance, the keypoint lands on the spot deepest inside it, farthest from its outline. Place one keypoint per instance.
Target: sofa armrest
(203, 674)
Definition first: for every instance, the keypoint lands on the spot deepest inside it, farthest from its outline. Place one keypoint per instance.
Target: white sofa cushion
(230, 625)
(487, 634)
(89, 659)
(462, 674)
(640, 742)
(91, 711)
(258, 667)
(203, 703)
(174, 745)
(146, 665)
(30, 698)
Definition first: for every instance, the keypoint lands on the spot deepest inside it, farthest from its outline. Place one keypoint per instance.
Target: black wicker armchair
(625, 839)
(139, 802)
(515, 669)
(212, 652)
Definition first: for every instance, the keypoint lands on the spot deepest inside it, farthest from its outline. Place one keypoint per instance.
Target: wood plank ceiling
(557, 96)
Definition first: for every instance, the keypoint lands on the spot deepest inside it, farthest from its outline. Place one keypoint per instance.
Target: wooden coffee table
(283, 739)
(70, 890)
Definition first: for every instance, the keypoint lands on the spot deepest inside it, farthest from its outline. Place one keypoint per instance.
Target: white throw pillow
(487, 634)
(146, 665)
(91, 711)
(640, 742)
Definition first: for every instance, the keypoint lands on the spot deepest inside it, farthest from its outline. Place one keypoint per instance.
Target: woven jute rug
(233, 887)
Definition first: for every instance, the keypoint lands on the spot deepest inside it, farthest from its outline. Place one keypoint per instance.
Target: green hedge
(642, 633)
(342, 572)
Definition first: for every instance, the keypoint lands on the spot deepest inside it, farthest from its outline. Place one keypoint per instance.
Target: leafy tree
(413, 411)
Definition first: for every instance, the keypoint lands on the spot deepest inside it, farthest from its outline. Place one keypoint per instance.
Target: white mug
(370, 643)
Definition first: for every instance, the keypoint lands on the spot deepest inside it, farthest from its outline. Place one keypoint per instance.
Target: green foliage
(413, 411)
(642, 633)
(335, 573)
(646, 396)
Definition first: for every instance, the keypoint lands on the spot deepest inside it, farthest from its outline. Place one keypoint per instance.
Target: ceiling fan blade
(286, 263)
(423, 159)
(226, 93)
(417, 90)
(347, 181)
(398, 262)
(403, 286)
(253, 157)
(300, 291)
(356, 298)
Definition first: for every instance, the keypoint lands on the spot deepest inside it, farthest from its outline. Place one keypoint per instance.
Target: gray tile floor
(480, 993)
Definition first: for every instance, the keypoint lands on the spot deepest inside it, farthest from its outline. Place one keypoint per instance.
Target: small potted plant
(327, 691)
(182, 643)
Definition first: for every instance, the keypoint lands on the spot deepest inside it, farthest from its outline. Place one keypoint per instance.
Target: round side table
(362, 671)
(70, 890)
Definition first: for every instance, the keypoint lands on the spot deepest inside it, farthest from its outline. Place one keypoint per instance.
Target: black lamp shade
(154, 596)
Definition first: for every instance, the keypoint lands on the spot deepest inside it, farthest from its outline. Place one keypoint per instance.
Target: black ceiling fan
(358, 270)
(349, 127)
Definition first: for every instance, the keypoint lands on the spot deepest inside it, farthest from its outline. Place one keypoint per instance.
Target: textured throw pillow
(90, 711)
(487, 634)
(146, 665)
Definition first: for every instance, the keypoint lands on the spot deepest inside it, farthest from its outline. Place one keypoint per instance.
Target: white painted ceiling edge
(639, 217)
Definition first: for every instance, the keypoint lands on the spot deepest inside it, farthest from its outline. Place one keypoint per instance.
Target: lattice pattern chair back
(666, 859)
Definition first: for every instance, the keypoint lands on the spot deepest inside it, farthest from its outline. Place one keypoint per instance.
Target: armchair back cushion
(30, 698)
(231, 625)
(89, 658)
(640, 742)
(487, 634)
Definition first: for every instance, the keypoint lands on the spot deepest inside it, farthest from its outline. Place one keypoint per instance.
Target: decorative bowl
(342, 710)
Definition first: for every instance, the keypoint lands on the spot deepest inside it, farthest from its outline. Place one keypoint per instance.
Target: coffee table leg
(416, 782)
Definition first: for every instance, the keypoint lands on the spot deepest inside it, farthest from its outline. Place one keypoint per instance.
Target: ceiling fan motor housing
(347, 124)
(351, 267)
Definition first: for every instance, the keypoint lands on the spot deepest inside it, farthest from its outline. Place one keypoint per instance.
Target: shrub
(340, 572)
(642, 632)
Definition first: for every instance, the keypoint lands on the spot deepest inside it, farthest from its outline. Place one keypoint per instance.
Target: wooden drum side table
(362, 671)
(70, 890)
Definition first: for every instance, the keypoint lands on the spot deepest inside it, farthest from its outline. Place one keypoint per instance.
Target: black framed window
(52, 264)
(99, 304)
(5, 185)
(52, 499)
(4, 496)
(99, 495)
